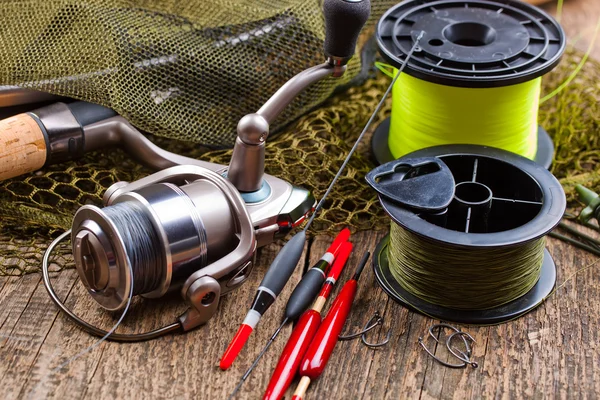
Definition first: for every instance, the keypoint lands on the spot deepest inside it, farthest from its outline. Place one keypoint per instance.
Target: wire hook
(388, 336)
(465, 357)
(375, 321)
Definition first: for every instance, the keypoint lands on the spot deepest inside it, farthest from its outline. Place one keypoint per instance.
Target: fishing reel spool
(468, 198)
(196, 227)
(473, 44)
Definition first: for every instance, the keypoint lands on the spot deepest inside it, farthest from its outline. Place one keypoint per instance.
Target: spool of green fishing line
(467, 237)
(475, 80)
(478, 279)
(503, 117)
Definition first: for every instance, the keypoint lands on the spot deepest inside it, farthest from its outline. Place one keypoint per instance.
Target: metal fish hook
(375, 345)
(375, 321)
(456, 332)
(464, 357)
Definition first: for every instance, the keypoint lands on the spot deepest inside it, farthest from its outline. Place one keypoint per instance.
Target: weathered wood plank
(27, 332)
(552, 351)
(177, 365)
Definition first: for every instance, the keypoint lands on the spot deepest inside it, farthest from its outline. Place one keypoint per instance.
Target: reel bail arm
(343, 23)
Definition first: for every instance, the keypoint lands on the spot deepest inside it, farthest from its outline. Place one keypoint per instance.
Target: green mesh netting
(174, 72)
(37, 207)
(186, 70)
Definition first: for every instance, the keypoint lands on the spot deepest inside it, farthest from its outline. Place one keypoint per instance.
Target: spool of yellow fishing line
(476, 78)
(467, 237)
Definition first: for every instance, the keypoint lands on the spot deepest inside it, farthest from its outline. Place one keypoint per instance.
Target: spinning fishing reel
(195, 226)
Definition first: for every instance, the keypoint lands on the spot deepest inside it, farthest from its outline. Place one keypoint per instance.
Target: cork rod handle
(22, 146)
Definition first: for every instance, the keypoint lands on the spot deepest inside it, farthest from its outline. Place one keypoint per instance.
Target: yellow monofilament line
(426, 114)
(463, 278)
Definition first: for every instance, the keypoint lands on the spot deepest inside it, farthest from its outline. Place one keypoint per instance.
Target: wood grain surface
(553, 352)
(579, 19)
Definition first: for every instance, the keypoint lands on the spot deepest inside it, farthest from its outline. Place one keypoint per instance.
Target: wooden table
(554, 351)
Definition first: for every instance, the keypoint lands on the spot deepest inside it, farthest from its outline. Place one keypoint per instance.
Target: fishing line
(413, 49)
(479, 257)
(142, 245)
(579, 67)
(46, 278)
(559, 10)
(144, 267)
(426, 114)
(464, 114)
(461, 278)
(476, 80)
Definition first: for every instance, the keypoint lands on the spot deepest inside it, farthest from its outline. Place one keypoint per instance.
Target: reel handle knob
(344, 20)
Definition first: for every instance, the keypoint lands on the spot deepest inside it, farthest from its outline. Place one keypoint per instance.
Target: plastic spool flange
(527, 202)
(473, 44)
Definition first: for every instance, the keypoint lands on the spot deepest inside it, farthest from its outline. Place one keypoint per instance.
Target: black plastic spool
(489, 43)
(527, 202)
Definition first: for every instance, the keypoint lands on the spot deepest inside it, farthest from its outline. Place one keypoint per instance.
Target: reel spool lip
(423, 67)
(552, 208)
(117, 297)
(504, 313)
(382, 154)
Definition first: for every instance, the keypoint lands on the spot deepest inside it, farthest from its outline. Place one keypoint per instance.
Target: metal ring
(116, 337)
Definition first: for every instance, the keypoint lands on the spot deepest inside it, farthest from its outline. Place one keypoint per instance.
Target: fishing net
(307, 152)
(184, 70)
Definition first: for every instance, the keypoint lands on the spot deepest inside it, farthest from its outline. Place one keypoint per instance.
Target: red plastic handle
(292, 354)
(326, 338)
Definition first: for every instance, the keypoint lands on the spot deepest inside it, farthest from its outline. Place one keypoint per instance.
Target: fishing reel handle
(344, 20)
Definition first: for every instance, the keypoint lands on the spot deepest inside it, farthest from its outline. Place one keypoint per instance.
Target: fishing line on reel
(426, 115)
(462, 278)
(105, 334)
(476, 80)
(467, 241)
(109, 335)
(142, 246)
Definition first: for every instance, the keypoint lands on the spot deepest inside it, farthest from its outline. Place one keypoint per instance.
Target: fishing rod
(195, 226)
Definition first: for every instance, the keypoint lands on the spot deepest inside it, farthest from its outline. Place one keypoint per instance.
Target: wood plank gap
(430, 362)
(385, 309)
(409, 318)
(3, 283)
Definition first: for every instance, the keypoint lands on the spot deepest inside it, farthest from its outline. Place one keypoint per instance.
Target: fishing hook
(458, 332)
(375, 321)
(463, 357)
